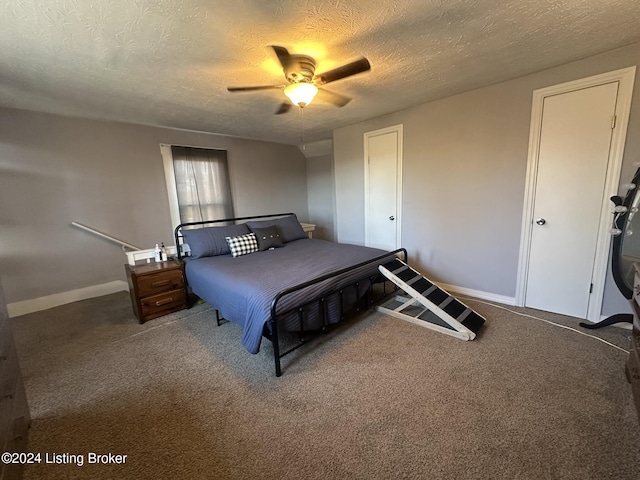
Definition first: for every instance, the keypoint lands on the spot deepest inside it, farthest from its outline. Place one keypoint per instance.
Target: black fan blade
(283, 55)
(284, 108)
(353, 68)
(251, 89)
(332, 98)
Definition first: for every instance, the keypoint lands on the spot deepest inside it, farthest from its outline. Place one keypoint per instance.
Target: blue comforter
(242, 288)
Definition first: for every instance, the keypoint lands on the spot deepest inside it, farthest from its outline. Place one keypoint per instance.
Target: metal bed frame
(367, 299)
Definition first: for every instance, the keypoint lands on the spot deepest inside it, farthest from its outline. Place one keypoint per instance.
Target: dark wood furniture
(633, 363)
(14, 410)
(156, 288)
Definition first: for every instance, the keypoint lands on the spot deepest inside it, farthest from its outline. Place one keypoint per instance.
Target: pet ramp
(428, 305)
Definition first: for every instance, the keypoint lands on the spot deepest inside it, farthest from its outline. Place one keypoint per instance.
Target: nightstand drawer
(160, 282)
(163, 303)
(8, 359)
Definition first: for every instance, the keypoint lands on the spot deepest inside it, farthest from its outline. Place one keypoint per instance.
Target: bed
(264, 274)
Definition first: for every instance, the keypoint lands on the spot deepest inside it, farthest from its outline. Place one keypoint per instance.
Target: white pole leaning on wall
(104, 235)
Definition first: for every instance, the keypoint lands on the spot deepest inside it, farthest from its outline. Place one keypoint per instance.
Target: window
(197, 183)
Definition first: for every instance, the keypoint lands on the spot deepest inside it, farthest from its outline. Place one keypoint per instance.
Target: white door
(575, 141)
(383, 185)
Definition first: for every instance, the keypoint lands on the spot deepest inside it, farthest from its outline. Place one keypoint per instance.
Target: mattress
(242, 288)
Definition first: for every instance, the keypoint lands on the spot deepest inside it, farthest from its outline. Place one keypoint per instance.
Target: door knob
(541, 221)
(392, 217)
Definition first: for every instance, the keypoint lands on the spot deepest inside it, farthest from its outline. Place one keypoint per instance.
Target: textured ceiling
(168, 62)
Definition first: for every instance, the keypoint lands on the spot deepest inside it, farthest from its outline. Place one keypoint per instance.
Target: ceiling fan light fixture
(301, 94)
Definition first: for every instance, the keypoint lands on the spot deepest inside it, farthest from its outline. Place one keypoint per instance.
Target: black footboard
(337, 296)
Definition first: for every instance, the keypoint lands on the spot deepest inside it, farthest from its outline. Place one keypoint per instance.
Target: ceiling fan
(304, 84)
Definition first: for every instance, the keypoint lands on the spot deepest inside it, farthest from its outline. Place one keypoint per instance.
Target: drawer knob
(161, 283)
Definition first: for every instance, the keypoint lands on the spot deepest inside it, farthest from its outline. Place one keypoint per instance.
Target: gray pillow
(268, 237)
(289, 226)
(211, 241)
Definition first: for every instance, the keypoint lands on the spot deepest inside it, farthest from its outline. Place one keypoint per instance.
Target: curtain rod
(190, 146)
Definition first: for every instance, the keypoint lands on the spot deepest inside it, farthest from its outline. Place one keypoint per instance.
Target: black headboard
(178, 231)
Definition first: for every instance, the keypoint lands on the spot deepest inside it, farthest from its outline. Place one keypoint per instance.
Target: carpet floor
(378, 398)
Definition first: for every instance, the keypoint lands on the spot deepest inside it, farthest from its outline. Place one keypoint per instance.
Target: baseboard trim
(43, 303)
(25, 307)
(490, 297)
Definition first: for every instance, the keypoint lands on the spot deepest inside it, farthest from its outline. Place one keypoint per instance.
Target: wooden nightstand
(156, 288)
(308, 228)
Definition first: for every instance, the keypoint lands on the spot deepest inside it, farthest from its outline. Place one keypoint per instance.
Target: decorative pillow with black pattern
(268, 237)
(242, 244)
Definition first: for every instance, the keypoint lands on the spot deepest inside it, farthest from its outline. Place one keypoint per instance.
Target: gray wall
(55, 170)
(464, 171)
(320, 194)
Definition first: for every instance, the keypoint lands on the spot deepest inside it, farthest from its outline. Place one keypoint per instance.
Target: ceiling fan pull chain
(304, 147)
